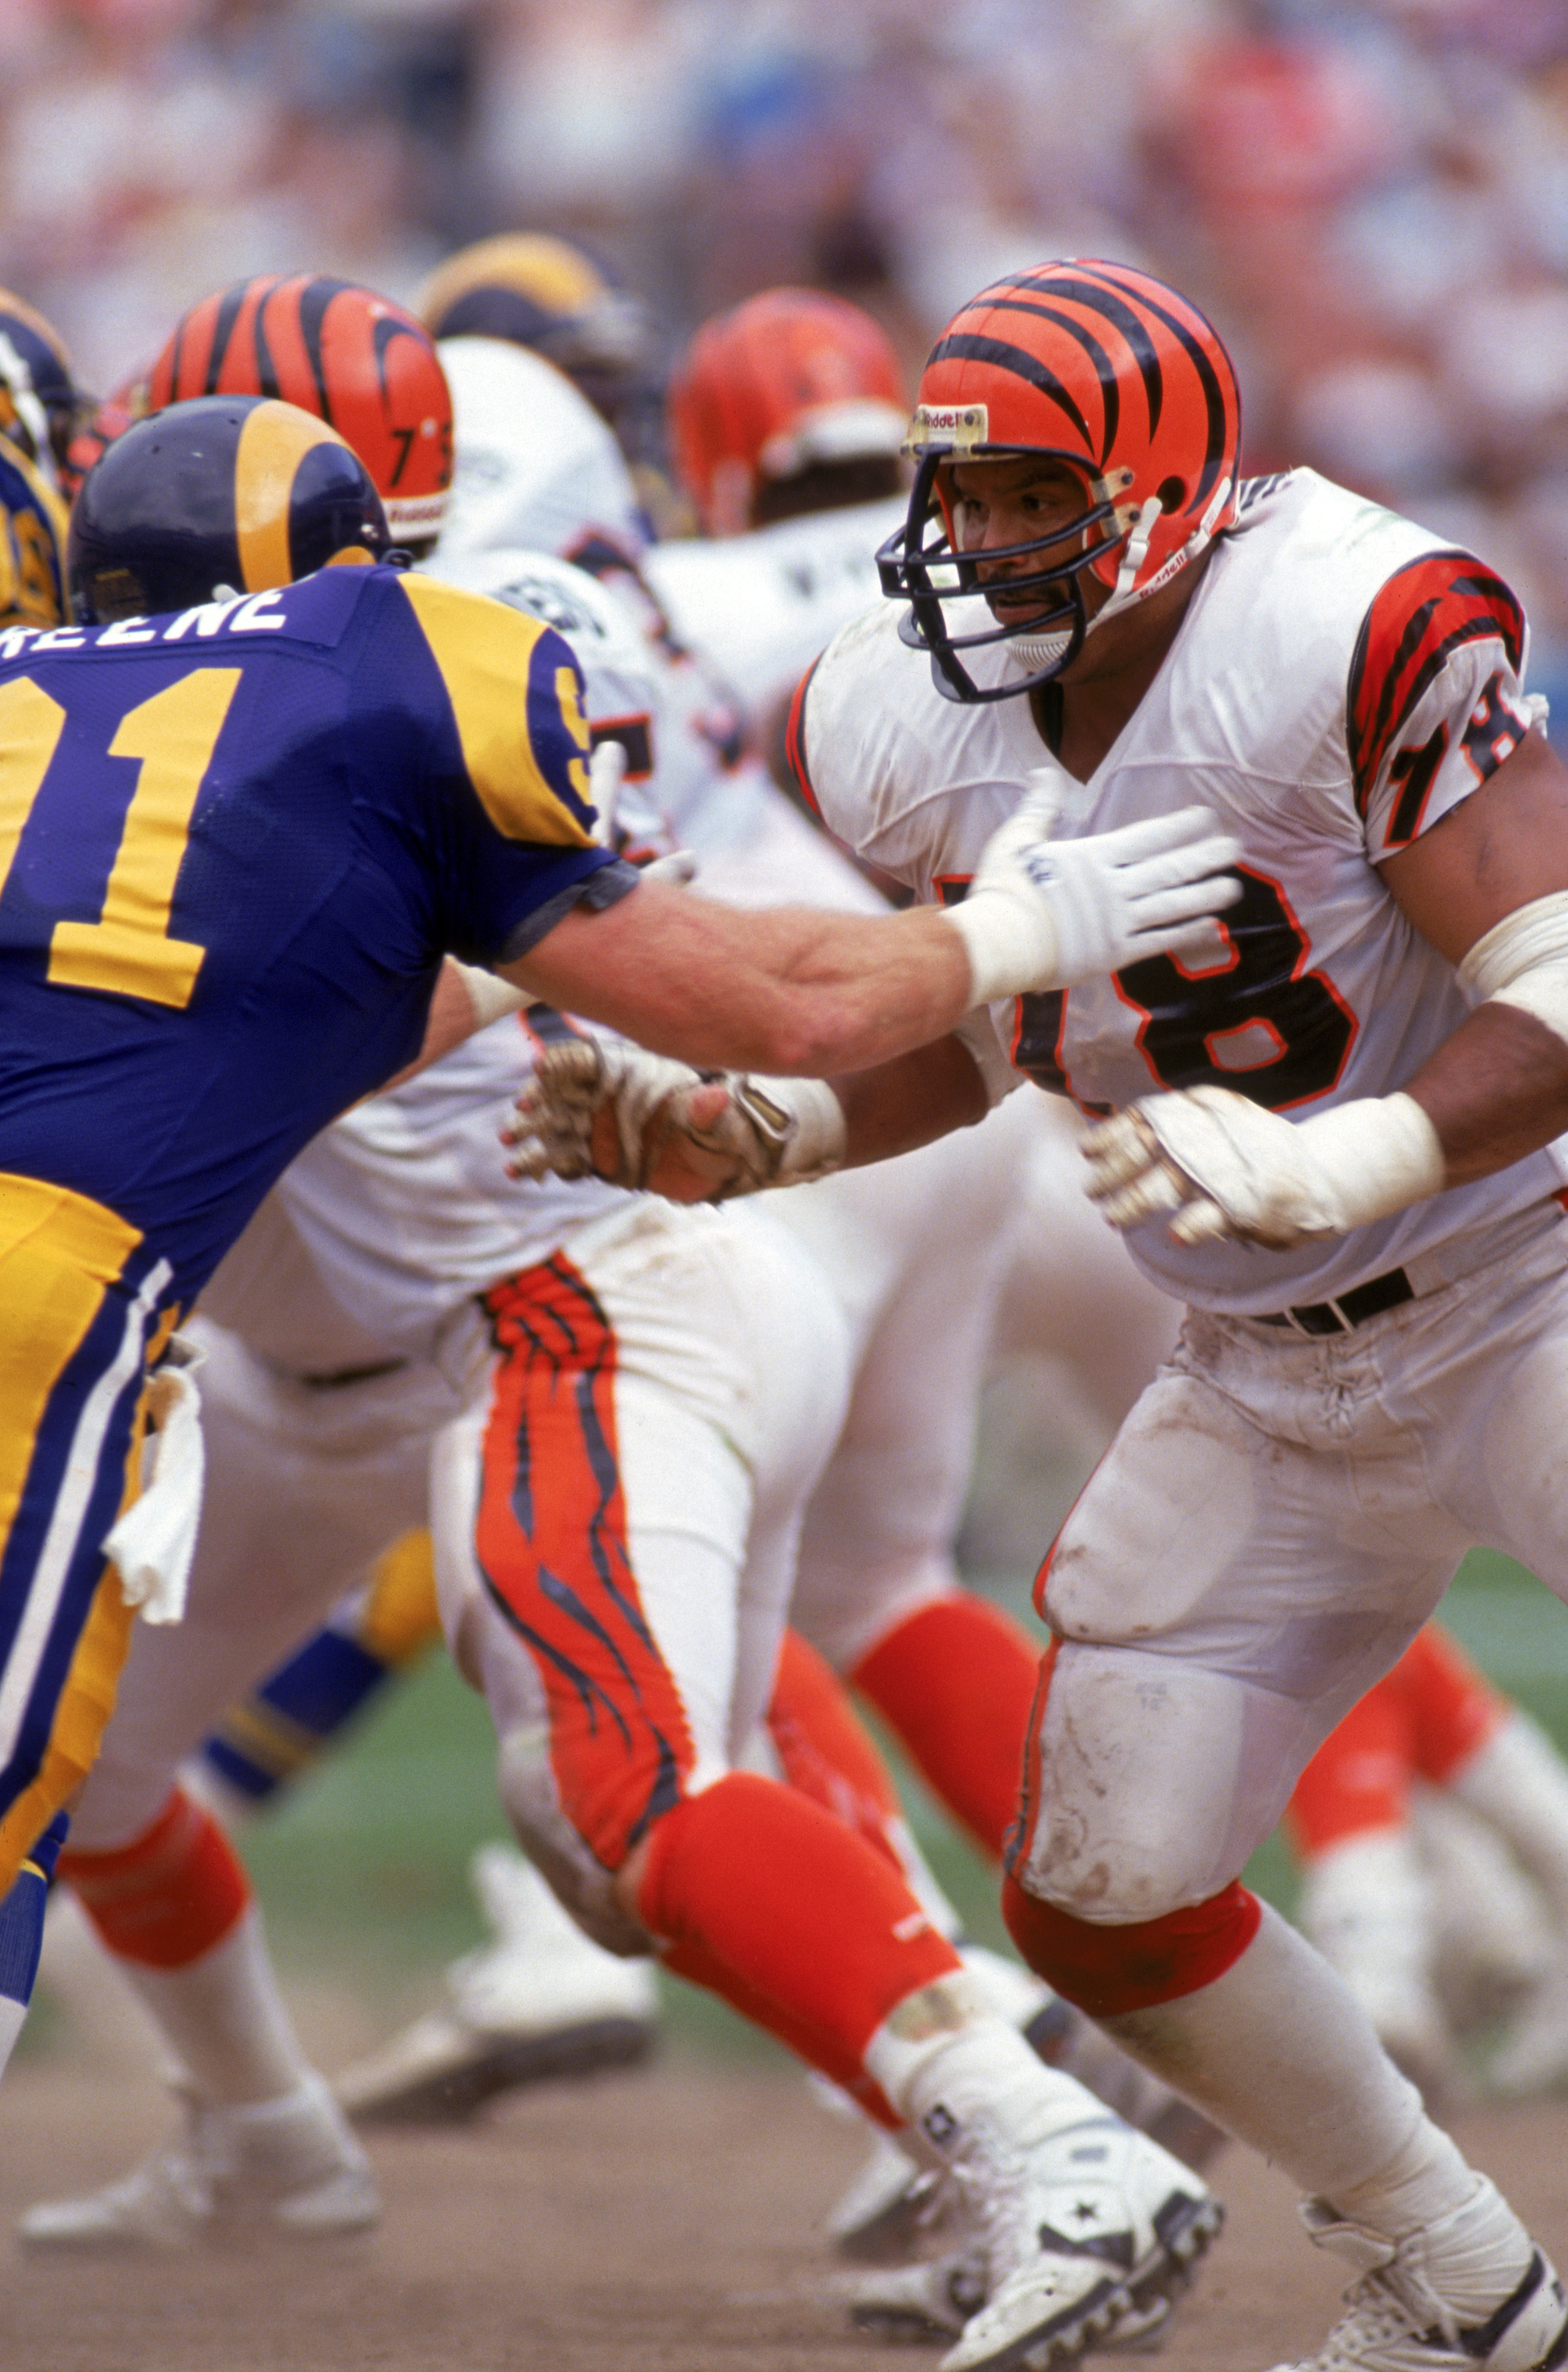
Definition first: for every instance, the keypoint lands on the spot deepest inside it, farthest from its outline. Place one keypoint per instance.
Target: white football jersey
(759, 608)
(405, 1204)
(1340, 679)
(534, 464)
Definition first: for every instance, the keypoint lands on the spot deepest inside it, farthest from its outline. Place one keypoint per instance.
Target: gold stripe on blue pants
(79, 1308)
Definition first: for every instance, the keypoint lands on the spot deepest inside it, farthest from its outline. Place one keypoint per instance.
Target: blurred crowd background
(1370, 198)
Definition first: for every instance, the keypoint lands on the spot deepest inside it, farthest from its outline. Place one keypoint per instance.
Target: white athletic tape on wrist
(1378, 1156)
(1007, 938)
(489, 996)
(1523, 960)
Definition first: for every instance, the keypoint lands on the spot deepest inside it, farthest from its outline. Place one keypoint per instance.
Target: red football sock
(825, 1749)
(820, 2050)
(1454, 1709)
(956, 1681)
(167, 1897)
(788, 1916)
(1359, 1779)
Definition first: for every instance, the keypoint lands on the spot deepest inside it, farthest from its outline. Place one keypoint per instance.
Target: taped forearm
(1523, 960)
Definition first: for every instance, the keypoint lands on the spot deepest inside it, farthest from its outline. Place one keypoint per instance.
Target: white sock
(948, 2067)
(1363, 1904)
(1278, 2052)
(223, 2018)
(1518, 1782)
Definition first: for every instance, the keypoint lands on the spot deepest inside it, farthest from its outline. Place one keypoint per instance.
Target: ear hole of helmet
(1170, 494)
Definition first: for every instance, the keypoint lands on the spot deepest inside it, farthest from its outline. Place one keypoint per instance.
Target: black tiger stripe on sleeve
(1425, 611)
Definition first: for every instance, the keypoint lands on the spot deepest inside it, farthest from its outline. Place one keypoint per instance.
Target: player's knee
(584, 1881)
(1110, 1969)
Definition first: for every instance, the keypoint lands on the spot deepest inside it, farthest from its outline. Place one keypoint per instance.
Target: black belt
(1379, 1293)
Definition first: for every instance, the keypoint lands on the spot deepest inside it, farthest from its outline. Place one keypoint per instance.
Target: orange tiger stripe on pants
(551, 1545)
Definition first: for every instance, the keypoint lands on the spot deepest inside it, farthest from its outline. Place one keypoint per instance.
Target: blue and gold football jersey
(234, 845)
(32, 543)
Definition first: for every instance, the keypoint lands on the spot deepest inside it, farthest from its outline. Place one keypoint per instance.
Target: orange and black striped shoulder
(1423, 614)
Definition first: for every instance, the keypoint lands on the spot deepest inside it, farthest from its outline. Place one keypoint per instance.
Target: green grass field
(363, 1872)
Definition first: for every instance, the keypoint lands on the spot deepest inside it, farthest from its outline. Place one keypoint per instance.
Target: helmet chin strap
(1034, 652)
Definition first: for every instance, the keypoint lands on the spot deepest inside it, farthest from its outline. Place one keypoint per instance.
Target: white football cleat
(1079, 2234)
(892, 2207)
(931, 2300)
(934, 2300)
(542, 2001)
(290, 2166)
(1427, 2306)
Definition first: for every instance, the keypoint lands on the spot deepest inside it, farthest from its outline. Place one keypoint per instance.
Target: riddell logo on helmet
(958, 427)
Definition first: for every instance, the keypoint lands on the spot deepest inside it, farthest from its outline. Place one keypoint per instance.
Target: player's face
(999, 505)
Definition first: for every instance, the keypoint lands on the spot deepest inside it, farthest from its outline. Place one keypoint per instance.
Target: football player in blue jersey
(247, 803)
(38, 406)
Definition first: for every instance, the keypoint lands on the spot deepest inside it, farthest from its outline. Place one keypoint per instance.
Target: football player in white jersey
(1330, 1134)
(788, 417)
(615, 1410)
(916, 1251)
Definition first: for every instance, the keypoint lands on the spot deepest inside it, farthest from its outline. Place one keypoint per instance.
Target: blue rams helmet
(549, 294)
(230, 493)
(40, 406)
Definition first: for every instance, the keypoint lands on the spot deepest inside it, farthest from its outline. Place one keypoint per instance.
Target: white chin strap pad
(1523, 960)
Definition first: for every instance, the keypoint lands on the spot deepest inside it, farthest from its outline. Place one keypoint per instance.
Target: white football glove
(774, 1132)
(1220, 1166)
(1044, 914)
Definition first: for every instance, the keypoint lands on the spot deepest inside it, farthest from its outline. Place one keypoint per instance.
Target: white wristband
(1007, 941)
(1376, 1157)
(489, 996)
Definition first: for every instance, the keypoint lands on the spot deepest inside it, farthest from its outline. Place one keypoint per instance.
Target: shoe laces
(991, 2181)
(1386, 2310)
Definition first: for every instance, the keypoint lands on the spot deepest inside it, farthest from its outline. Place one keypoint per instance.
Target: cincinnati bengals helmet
(356, 360)
(40, 406)
(1097, 367)
(789, 379)
(225, 494)
(98, 427)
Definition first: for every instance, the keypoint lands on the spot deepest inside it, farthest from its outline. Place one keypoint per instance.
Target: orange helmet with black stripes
(1101, 368)
(109, 418)
(225, 495)
(789, 379)
(359, 362)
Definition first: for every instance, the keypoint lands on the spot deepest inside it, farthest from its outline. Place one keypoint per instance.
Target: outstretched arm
(620, 1114)
(779, 989)
(792, 990)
